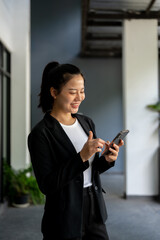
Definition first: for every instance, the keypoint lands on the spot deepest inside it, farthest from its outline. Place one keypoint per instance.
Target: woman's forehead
(77, 80)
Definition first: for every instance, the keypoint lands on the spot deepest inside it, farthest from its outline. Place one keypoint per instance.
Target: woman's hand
(91, 147)
(111, 157)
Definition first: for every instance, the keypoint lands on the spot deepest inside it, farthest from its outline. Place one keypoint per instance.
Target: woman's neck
(64, 118)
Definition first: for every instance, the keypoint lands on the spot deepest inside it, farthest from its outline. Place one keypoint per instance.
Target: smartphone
(116, 140)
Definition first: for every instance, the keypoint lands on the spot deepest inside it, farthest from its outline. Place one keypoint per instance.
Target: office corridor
(132, 219)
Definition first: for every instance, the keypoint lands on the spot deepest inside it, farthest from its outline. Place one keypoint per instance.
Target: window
(5, 79)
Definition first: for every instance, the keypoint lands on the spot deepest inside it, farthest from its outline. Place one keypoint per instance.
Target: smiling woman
(68, 100)
(64, 152)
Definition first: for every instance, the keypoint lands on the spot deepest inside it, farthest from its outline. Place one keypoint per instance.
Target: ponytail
(46, 100)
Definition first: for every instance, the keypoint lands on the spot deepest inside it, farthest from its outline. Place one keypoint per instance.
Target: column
(140, 88)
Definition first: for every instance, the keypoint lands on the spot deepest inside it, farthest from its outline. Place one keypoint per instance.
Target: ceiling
(102, 23)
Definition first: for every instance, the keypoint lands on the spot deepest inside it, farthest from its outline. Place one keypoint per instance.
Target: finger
(105, 148)
(99, 140)
(90, 137)
(116, 147)
(99, 144)
(98, 150)
(121, 143)
(112, 158)
(114, 151)
(107, 143)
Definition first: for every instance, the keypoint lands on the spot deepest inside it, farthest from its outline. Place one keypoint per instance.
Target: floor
(131, 219)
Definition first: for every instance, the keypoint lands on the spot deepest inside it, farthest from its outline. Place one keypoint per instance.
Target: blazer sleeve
(100, 164)
(50, 175)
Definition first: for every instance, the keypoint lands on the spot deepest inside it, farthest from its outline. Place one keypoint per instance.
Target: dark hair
(54, 75)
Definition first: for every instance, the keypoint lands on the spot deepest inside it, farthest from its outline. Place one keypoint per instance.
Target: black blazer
(59, 172)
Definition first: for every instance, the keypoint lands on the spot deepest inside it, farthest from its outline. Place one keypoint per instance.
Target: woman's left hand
(111, 157)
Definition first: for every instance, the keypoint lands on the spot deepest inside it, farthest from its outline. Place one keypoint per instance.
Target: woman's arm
(52, 175)
(101, 165)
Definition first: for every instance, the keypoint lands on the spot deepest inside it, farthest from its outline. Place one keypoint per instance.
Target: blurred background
(116, 46)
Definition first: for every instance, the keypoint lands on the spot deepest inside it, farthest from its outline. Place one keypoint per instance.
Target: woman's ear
(53, 92)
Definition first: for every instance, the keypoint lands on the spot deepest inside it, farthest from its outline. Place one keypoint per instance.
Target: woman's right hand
(91, 147)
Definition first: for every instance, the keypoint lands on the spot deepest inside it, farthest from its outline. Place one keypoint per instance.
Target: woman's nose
(78, 96)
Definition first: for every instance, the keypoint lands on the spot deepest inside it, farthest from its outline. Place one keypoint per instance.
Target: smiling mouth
(75, 105)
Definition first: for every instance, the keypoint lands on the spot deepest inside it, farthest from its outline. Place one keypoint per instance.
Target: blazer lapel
(59, 133)
(85, 125)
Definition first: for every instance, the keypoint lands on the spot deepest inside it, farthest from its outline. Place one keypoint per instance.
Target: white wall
(140, 88)
(15, 35)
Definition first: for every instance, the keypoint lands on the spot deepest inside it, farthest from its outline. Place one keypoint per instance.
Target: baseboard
(132, 197)
(113, 173)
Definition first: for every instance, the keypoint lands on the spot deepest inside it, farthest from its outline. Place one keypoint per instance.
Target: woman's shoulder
(38, 128)
(47, 122)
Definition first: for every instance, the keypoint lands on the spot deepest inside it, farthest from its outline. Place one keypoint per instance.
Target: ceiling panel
(138, 5)
(102, 23)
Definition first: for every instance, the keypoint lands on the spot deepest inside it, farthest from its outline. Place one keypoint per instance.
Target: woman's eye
(73, 93)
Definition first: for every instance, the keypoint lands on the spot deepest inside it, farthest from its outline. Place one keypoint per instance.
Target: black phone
(120, 135)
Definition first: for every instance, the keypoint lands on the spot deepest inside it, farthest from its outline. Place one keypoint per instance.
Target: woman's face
(71, 95)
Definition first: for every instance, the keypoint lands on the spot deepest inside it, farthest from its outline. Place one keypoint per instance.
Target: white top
(78, 138)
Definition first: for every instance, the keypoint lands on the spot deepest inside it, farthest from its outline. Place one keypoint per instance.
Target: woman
(64, 152)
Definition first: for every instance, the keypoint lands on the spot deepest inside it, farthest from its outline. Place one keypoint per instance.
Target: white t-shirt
(78, 138)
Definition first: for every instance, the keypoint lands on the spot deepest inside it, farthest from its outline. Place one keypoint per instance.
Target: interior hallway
(132, 219)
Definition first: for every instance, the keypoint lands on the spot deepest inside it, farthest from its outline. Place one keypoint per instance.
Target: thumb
(90, 137)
